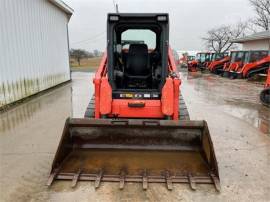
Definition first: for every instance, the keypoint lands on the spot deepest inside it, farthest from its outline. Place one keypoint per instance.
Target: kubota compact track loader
(200, 62)
(237, 59)
(265, 94)
(217, 62)
(135, 128)
(256, 62)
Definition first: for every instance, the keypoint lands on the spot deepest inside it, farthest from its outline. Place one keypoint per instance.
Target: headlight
(114, 18)
(162, 18)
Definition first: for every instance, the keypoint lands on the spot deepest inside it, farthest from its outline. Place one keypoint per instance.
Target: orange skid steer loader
(201, 60)
(237, 60)
(136, 127)
(218, 62)
(256, 62)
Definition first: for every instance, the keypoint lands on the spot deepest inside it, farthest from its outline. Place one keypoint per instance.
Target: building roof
(253, 37)
(61, 5)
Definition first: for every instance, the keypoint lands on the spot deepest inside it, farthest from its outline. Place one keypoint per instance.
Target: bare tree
(219, 39)
(262, 9)
(79, 54)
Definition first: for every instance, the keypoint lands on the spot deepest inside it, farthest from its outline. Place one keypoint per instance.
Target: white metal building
(257, 41)
(33, 47)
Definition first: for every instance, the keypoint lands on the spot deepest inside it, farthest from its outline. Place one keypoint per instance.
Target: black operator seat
(137, 63)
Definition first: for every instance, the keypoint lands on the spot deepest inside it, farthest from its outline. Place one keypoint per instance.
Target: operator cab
(137, 52)
(257, 55)
(239, 57)
(219, 56)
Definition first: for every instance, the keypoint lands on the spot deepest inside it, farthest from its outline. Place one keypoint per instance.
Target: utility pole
(115, 6)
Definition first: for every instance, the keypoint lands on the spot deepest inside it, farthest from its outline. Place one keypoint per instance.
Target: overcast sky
(189, 19)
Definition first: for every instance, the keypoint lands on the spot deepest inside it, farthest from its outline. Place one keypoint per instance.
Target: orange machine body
(216, 63)
(167, 106)
(230, 67)
(192, 66)
(254, 65)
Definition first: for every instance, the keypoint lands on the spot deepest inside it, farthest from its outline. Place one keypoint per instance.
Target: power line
(91, 42)
(115, 5)
(91, 38)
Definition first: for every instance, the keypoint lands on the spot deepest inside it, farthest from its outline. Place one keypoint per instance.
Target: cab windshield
(138, 36)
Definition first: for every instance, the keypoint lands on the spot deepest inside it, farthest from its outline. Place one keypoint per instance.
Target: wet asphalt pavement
(238, 123)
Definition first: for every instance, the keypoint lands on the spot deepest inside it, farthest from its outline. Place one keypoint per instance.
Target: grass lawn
(87, 65)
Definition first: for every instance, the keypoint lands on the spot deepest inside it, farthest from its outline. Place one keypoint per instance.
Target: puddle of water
(74, 96)
(82, 91)
(238, 98)
(30, 133)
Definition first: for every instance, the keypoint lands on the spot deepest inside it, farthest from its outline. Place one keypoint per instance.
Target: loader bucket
(144, 151)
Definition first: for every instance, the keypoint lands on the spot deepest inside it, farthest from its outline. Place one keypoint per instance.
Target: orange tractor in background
(208, 60)
(183, 61)
(237, 59)
(136, 128)
(245, 64)
(200, 61)
(218, 61)
(256, 62)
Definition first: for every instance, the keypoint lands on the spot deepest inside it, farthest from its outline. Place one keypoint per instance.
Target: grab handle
(151, 123)
(119, 122)
(136, 104)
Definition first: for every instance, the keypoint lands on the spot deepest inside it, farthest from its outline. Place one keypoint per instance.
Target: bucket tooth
(145, 180)
(192, 182)
(75, 178)
(122, 180)
(98, 179)
(52, 177)
(168, 180)
(215, 182)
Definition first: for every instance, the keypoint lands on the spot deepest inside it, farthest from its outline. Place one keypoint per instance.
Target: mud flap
(143, 151)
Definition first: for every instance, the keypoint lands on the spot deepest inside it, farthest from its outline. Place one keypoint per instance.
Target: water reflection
(238, 98)
(82, 91)
(70, 99)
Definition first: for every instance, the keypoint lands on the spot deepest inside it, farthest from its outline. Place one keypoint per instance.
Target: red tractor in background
(183, 61)
(237, 59)
(190, 58)
(200, 61)
(192, 65)
(217, 62)
(256, 62)
(208, 60)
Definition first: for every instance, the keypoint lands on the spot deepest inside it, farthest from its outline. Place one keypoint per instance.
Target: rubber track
(183, 114)
(256, 71)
